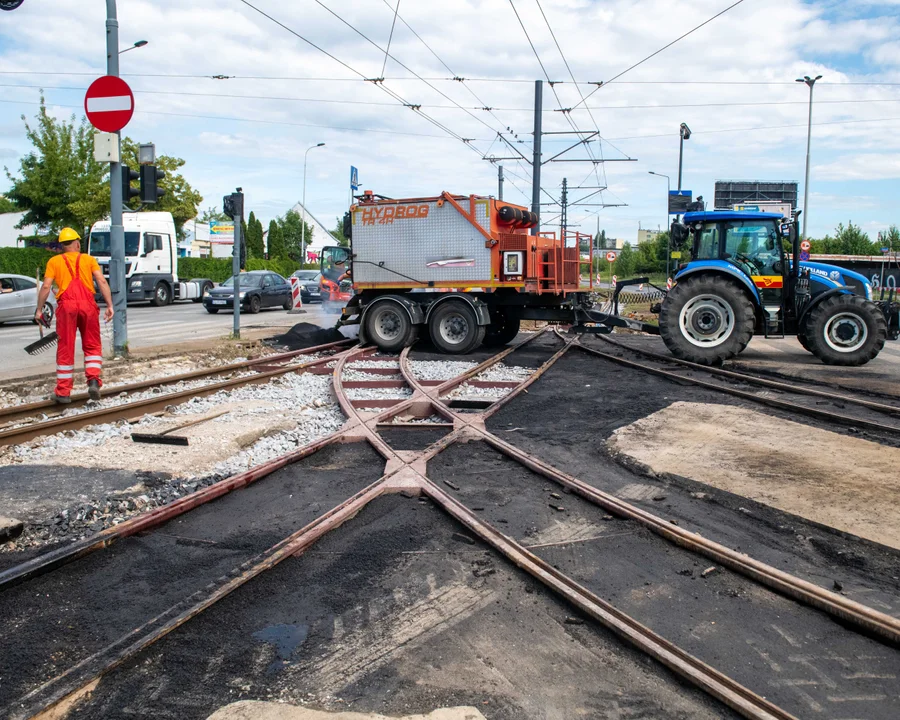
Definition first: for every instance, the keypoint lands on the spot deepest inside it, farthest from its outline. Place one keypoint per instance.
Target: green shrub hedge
(24, 261)
(27, 261)
(219, 269)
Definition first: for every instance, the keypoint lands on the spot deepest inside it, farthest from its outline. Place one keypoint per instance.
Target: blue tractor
(741, 281)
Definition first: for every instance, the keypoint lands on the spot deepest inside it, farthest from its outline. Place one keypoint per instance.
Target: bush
(24, 261)
(219, 269)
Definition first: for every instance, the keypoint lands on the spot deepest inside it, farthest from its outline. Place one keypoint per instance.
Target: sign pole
(236, 269)
(116, 230)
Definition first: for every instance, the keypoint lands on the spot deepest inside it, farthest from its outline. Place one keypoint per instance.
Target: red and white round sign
(805, 245)
(109, 103)
(610, 256)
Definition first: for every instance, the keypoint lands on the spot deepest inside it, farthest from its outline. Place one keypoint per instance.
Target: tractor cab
(746, 277)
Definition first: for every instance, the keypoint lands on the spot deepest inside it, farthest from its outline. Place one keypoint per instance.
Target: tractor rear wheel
(502, 330)
(846, 330)
(706, 319)
(454, 329)
(389, 327)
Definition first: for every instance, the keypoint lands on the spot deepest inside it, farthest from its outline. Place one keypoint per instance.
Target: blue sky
(743, 65)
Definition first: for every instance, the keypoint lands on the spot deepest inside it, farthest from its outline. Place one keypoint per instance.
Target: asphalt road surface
(148, 326)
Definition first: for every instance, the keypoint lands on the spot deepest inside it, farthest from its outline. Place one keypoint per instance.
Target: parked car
(18, 299)
(309, 285)
(258, 289)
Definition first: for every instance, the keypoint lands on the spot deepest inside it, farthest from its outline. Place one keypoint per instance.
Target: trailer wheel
(706, 319)
(161, 295)
(502, 330)
(846, 330)
(454, 329)
(389, 327)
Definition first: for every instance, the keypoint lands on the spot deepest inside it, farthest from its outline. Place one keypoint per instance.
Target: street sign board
(679, 201)
(354, 178)
(221, 232)
(610, 256)
(804, 245)
(885, 250)
(804, 256)
(109, 103)
(676, 255)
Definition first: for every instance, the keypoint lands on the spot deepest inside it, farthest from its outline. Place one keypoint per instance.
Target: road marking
(115, 103)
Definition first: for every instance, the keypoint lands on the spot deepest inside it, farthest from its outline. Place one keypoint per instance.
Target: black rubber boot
(62, 399)
(93, 389)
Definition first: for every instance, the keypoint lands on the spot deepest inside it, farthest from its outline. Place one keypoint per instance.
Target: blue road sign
(354, 178)
(885, 250)
(804, 255)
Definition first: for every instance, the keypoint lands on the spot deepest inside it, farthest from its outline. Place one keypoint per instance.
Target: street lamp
(807, 80)
(138, 44)
(685, 133)
(666, 224)
(303, 205)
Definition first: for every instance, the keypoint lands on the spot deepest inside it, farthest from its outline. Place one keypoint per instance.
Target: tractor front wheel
(706, 319)
(845, 330)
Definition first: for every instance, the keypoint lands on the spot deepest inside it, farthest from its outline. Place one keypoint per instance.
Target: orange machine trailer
(466, 268)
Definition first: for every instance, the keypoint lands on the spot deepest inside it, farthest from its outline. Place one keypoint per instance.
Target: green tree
(255, 247)
(277, 250)
(853, 241)
(889, 239)
(213, 214)
(7, 205)
(338, 233)
(624, 265)
(59, 182)
(600, 239)
(292, 225)
(59, 178)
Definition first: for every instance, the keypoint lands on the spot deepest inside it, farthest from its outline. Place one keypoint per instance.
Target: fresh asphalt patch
(57, 619)
(799, 658)
(391, 614)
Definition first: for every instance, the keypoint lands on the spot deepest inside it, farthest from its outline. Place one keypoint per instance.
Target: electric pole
(563, 218)
(500, 182)
(536, 157)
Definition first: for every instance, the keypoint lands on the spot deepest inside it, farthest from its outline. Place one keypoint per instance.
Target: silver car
(18, 299)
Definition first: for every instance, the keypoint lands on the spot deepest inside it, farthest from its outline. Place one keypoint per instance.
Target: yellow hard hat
(67, 235)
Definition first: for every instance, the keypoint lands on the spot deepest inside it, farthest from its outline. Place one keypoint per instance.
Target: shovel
(46, 342)
(164, 438)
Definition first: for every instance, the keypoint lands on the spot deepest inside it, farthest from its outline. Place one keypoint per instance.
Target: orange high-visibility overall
(77, 310)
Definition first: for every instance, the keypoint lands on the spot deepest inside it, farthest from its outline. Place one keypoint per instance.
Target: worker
(75, 275)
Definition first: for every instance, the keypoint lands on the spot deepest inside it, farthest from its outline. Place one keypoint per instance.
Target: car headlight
(242, 295)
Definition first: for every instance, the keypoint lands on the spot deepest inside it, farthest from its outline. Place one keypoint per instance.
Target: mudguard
(723, 267)
(416, 316)
(481, 310)
(817, 299)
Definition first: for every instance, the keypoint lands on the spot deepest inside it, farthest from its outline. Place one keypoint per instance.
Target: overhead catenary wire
(390, 38)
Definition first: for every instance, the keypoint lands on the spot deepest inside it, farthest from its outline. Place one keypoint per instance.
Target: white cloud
(869, 166)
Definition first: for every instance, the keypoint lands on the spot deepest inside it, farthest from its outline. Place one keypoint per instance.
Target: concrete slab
(836, 480)
(252, 710)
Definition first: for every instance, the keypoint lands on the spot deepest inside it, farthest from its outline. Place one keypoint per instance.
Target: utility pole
(685, 134)
(536, 158)
(500, 182)
(116, 230)
(236, 208)
(807, 80)
(564, 203)
(303, 205)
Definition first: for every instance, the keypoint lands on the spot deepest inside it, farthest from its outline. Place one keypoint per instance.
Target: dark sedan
(309, 285)
(257, 290)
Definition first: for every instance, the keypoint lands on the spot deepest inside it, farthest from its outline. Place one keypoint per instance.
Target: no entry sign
(109, 103)
(610, 256)
(805, 245)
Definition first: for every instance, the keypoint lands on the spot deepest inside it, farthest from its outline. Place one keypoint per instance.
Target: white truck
(151, 259)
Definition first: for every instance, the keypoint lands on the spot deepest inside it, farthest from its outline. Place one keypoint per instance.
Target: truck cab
(747, 277)
(151, 258)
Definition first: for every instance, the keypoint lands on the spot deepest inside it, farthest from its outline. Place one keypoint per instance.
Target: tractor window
(708, 243)
(753, 246)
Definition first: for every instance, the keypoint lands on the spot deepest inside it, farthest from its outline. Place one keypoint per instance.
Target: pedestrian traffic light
(129, 192)
(150, 177)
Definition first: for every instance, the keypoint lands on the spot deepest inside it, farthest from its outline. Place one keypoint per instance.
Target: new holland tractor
(742, 282)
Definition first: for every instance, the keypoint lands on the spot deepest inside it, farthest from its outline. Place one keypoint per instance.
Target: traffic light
(150, 177)
(129, 192)
(233, 205)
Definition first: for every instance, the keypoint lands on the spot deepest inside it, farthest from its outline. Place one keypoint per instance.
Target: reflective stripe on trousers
(77, 312)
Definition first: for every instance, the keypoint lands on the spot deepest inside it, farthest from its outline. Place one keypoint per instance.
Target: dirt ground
(829, 478)
(277, 711)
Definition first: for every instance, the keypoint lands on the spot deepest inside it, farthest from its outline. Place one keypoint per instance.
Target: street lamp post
(666, 224)
(685, 133)
(138, 44)
(807, 80)
(303, 205)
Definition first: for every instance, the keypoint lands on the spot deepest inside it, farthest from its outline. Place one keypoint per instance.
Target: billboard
(679, 201)
(221, 231)
(730, 193)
